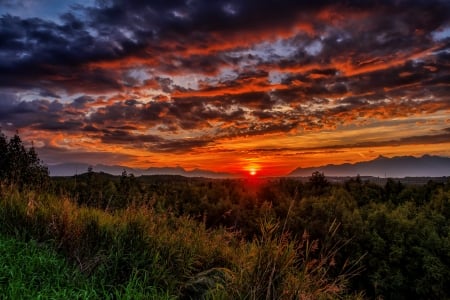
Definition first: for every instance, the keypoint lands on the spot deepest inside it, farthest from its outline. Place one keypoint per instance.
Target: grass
(138, 253)
(28, 271)
(32, 271)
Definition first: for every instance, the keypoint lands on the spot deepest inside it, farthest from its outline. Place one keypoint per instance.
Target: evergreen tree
(19, 165)
(318, 184)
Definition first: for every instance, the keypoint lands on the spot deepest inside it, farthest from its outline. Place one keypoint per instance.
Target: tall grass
(164, 251)
(137, 251)
(33, 271)
(277, 265)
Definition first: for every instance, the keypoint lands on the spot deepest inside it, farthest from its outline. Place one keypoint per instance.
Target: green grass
(32, 271)
(29, 271)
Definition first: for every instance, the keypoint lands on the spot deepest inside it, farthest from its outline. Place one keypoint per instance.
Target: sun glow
(252, 169)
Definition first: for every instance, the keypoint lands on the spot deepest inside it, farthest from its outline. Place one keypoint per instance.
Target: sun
(252, 170)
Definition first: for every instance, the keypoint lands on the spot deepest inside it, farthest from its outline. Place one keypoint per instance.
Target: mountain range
(70, 169)
(395, 167)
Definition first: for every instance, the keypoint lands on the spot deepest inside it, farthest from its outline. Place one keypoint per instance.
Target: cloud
(81, 102)
(441, 137)
(153, 143)
(120, 30)
(53, 155)
(172, 76)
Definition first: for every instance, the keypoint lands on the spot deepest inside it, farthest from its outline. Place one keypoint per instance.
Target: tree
(392, 190)
(19, 165)
(128, 190)
(4, 165)
(318, 184)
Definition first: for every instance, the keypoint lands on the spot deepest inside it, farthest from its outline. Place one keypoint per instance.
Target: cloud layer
(152, 78)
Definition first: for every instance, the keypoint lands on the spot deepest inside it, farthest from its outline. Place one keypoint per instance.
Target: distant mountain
(70, 169)
(183, 172)
(396, 167)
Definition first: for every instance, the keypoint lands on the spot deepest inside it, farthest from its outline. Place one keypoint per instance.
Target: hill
(70, 169)
(396, 167)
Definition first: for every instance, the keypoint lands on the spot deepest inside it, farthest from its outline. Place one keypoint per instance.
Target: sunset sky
(229, 86)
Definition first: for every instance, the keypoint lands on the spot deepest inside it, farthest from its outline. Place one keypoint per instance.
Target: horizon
(253, 88)
(428, 169)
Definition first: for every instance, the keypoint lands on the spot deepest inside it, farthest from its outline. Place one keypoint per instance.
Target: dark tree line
(102, 190)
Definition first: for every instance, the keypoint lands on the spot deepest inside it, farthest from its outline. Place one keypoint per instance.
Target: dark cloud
(33, 49)
(125, 137)
(81, 101)
(51, 155)
(131, 102)
(90, 128)
(186, 113)
(153, 143)
(179, 145)
(262, 128)
(38, 114)
(60, 126)
(36, 48)
(8, 102)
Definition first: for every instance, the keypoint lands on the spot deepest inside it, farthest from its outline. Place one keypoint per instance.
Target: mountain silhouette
(396, 167)
(70, 169)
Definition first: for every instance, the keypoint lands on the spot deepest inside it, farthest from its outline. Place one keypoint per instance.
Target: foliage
(19, 165)
(402, 231)
(164, 251)
(318, 184)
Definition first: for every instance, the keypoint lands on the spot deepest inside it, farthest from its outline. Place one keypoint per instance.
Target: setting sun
(252, 169)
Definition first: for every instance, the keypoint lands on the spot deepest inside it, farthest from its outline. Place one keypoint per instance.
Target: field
(174, 237)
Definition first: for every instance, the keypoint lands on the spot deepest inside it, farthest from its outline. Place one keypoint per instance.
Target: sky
(231, 86)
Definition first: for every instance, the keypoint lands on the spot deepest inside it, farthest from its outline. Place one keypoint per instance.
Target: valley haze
(395, 167)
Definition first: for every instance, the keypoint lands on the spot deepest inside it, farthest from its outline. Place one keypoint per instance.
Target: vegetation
(191, 238)
(20, 166)
(33, 271)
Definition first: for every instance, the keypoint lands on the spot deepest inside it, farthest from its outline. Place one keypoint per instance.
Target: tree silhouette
(19, 165)
(318, 184)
